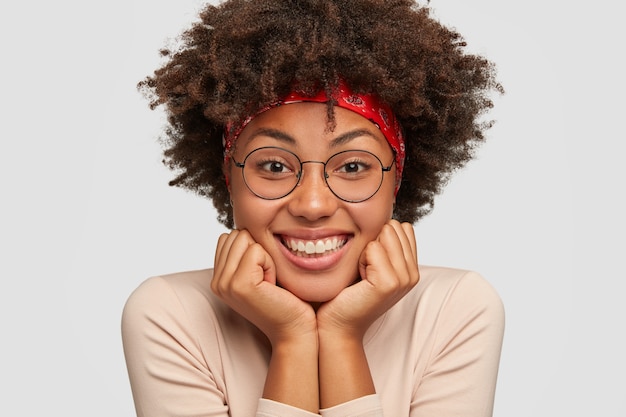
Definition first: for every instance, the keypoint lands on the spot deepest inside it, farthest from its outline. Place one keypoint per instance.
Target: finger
(375, 266)
(232, 250)
(412, 262)
(405, 241)
(410, 234)
(221, 251)
(406, 235)
(254, 268)
(397, 245)
(257, 256)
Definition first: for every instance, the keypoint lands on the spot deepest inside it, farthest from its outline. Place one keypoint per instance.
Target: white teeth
(320, 247)
(310, 247)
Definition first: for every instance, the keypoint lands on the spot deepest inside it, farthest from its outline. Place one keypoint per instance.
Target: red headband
(366, 105)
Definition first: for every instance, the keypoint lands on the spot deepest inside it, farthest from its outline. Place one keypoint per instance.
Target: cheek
(372, 215)
(243, 214)
(384, 201)
(241, 200)
(252, 213)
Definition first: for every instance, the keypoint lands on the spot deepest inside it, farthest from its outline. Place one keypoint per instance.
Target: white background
(86, 212)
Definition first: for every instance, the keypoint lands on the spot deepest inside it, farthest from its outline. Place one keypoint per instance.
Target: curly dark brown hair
(242, 55)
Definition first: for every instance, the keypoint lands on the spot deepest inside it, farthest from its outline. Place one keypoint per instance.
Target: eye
(274, 167)
(353, 167)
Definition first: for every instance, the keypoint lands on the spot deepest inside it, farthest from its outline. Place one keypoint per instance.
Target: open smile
(314, 253)
(314, 248)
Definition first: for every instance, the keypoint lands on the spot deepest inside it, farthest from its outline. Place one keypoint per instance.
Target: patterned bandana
(366, 105)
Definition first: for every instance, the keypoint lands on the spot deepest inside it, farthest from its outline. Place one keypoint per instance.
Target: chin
(315, 290)
(316, 296)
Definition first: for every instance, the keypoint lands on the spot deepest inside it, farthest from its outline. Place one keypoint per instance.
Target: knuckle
(216, 287)
(415, 275)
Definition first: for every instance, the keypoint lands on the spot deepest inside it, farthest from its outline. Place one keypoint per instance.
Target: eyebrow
(339, 140)
(272, 133)
(353, 134)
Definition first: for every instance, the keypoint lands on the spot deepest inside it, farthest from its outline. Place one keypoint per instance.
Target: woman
(321, 130)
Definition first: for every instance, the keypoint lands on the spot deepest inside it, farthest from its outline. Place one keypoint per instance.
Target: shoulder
(450, 295)
(195, 281)
(447, 283)
(179, 300)
(171, 289)
(449, 309)
(460, 302)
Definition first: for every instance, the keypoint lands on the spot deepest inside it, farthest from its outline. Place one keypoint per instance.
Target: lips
(312, 248)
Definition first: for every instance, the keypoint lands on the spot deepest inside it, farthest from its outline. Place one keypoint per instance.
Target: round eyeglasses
(271, 173)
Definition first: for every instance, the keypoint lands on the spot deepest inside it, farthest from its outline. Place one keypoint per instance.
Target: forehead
(305, 123)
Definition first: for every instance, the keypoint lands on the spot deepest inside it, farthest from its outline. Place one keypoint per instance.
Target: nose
(312, 199)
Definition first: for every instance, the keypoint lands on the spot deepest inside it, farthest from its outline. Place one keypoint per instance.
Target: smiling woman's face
(312, 216)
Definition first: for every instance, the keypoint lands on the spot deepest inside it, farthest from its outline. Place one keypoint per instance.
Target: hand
(389, 270)
(244, 277)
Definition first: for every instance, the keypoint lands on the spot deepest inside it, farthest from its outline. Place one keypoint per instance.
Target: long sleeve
(188, 354)
(460, 377)
(368, 406)
(166, 366)
(435, 353)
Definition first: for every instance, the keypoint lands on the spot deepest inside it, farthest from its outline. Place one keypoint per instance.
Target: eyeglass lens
(273, 173)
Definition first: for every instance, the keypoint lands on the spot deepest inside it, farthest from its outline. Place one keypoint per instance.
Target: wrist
(330, 342)
(294, 334)
(340, 335)
(343, 368)
(295, 345)
(292, 376)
